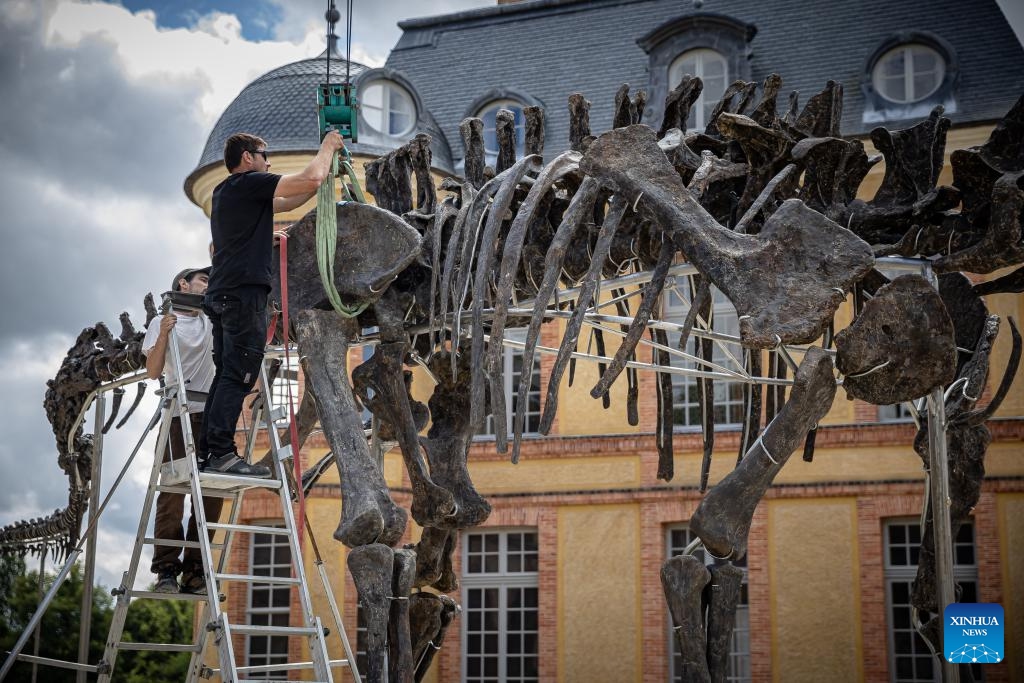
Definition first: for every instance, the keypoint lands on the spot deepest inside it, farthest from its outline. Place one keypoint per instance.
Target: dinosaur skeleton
(759, 205)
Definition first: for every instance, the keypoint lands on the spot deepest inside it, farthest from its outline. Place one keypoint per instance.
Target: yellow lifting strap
(327, 231)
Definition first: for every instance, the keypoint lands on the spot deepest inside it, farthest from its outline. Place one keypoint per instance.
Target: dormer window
(712, 68)
(488, 114)
(387, 113)
(908, 73)
(715, 48)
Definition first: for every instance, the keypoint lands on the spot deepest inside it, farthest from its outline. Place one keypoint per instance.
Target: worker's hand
(333, 142)
(167, 323)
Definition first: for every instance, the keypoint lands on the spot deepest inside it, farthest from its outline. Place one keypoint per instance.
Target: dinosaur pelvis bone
(386, 245)
(786, 282)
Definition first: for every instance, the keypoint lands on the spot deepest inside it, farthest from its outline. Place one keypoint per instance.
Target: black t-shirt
(242, 223)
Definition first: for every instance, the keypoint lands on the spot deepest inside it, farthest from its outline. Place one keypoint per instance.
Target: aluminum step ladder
(215, 630)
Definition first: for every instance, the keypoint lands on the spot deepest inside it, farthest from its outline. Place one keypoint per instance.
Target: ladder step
(211, 481)
(256, 630)
(251, 528)
(252, 578)
(158, 647)
(279, 413)
(153, 595)
(187, 491)
(148, 540)
(296, 666)
(284, 452)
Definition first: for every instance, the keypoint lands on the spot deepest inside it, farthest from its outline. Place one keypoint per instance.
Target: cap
(186, 274)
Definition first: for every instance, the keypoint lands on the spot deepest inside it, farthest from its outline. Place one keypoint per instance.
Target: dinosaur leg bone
(368, 514)
(722, 520)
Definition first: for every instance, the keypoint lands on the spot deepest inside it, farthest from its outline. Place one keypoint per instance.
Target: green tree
(164, 621)
(58, 635)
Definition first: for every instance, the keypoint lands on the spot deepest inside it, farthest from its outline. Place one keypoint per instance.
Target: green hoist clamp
(338, 109)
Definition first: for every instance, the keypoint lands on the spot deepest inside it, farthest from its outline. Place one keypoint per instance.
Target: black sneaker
(167, 582)
(229, 463)
(194, 584)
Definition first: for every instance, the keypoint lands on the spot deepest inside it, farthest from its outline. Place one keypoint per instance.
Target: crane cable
(326, 212)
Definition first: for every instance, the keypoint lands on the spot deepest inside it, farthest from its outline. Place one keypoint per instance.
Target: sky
(104, 110)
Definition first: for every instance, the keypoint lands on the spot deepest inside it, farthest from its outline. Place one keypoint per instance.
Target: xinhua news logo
(973, 633)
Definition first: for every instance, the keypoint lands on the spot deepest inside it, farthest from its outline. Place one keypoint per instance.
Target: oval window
(387, 112)
(908, 73)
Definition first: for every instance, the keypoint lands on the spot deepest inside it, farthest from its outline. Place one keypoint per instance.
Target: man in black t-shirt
(242, 223)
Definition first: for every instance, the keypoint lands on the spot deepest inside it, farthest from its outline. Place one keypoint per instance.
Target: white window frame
(503, 580)
(510, 377)
(904, 573)
(739, 650)
(287, 378)
(728, 396)
(907, 52)
(369, 133)
(700, 112)
(490, 133)
(273, 541)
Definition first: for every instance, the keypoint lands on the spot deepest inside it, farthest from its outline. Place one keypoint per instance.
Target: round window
(387, 111)
(908, 73)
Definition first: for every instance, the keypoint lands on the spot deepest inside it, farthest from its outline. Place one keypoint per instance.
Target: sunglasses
(261, 152)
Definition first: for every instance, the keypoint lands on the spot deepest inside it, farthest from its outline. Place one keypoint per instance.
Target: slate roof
(280, 107)
(548, 49)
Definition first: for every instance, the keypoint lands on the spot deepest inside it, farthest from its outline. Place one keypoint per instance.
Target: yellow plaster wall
(578, 413)
(599, 619)
(324, 514)
(814, 578)
(1010, 508)
(1005, 306)
(553, 474)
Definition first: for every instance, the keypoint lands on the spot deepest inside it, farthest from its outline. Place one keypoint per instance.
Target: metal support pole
(85, 629)
(938, 493)
(42, 592)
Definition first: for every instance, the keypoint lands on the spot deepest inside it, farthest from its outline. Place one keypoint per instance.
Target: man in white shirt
(195, 344)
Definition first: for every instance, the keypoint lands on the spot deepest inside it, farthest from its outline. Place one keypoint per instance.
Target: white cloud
(213, 52)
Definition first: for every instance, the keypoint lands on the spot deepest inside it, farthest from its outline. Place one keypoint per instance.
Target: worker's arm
(282, 204)
(296, 189)
(156, 355)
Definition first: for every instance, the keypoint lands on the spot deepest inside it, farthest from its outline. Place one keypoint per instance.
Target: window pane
(488, 114)
(501, 610)
(908, 73)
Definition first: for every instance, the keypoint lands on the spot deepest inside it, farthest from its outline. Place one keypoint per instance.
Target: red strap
(292, 428)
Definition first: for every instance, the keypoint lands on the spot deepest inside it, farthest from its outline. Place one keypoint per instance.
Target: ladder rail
(123, 592)
(319, 655)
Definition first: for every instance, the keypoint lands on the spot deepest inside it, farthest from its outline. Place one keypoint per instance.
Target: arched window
(908, 73)
(488, 113)
(710, 67)
(387, 113)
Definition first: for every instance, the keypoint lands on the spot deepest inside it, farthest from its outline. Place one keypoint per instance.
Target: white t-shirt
(195, 342)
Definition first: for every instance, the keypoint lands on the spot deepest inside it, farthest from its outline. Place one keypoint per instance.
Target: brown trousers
(170, 509)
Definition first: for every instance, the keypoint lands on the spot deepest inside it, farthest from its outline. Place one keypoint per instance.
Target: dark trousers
(239, 318)
(170, 509)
